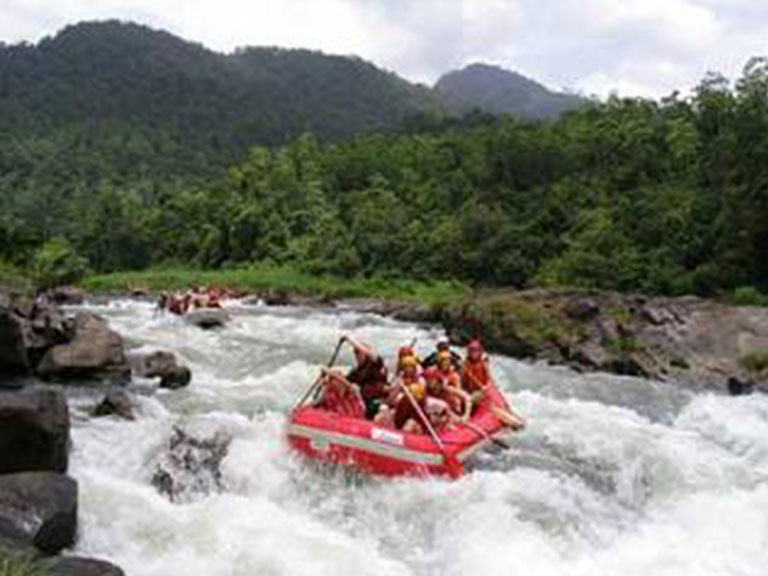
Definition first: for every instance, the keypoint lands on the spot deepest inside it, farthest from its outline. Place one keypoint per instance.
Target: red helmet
(475, 345)
(431, 374)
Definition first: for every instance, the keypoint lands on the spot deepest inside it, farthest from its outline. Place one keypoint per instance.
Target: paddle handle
(317, 382)
(427, 423)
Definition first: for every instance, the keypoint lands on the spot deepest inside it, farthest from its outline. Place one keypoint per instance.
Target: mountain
(146, 96)
(499, 91)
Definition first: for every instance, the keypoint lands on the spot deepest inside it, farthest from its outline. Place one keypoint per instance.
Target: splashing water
(615, 476)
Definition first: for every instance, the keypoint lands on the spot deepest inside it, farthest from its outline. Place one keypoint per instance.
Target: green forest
(666, 197)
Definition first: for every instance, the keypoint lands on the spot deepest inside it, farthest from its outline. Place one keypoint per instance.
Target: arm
(466, 399)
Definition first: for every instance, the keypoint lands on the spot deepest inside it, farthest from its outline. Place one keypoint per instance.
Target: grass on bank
(16, 565)
(279, 278)
(13, 278)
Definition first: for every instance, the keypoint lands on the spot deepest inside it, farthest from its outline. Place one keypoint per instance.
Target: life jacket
(371, 378)
(438, 411)
(343, 400)
(475, 375)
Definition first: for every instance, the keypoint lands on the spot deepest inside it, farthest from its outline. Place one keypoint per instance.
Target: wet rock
(162, 365)
(153, 365)
(740, 387)
(13, 351)
(42, 506)
(118, 401)
(94, 352)
(192, 466)
(77, 566)
(208, 318)
(275, 298)
(34, 431)
(175, 378)
(66, 296)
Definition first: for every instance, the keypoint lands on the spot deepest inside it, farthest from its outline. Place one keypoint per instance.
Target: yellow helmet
(417, 390)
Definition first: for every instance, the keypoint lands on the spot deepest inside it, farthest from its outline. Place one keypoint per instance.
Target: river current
(613, 477)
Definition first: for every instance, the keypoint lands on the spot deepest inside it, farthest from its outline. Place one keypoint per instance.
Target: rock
(76, 566)
(163, 365)
(42, 506)
(14, 543)
(192, 466)
(118, 401)
(418, 314)
(34, 431)
(175, 378)
(153, 365)
(47, 327)
(13, 351)
(208, 318)
(739, 387)
(95, 351)
(275, 298)
(66, 295)
(657, 316)
(581, 309)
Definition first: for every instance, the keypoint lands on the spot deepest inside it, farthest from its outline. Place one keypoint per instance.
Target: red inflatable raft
(324, 435)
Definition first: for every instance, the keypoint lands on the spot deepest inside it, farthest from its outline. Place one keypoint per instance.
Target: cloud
(645, 47)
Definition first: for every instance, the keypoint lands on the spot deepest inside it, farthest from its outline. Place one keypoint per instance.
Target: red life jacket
(343, 400)
(475, 376)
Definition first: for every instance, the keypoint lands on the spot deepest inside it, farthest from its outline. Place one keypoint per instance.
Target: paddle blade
(454, 467)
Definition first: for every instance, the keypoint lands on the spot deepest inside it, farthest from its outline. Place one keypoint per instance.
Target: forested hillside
(631, 194)
(498, 91)
(667, 197)
(110, 98)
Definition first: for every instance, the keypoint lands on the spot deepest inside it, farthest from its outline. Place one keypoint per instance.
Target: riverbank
(279, 282)
(698, 343)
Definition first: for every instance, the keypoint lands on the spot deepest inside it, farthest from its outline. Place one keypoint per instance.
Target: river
(615, 476)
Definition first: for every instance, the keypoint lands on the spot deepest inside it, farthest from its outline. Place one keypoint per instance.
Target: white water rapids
(614, 477)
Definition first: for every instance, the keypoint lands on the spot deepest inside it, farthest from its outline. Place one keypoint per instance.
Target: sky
(595, 47)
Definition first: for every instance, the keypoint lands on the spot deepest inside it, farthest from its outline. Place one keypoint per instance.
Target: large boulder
(208, 318)
(13, 351)
(94, 352)
(34, 431)
(42, 506)
(76, 566)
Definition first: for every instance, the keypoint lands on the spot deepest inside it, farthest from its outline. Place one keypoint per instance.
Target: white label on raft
(387, 436)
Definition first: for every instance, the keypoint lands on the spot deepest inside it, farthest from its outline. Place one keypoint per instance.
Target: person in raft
(412, 392)
(475, 379)
(339, 395)
(442, 346)
(453, 398)
(369, 375)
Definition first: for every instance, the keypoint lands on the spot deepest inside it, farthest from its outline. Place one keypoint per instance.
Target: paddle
(317, 382)
(451, 462)
(500, 443)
